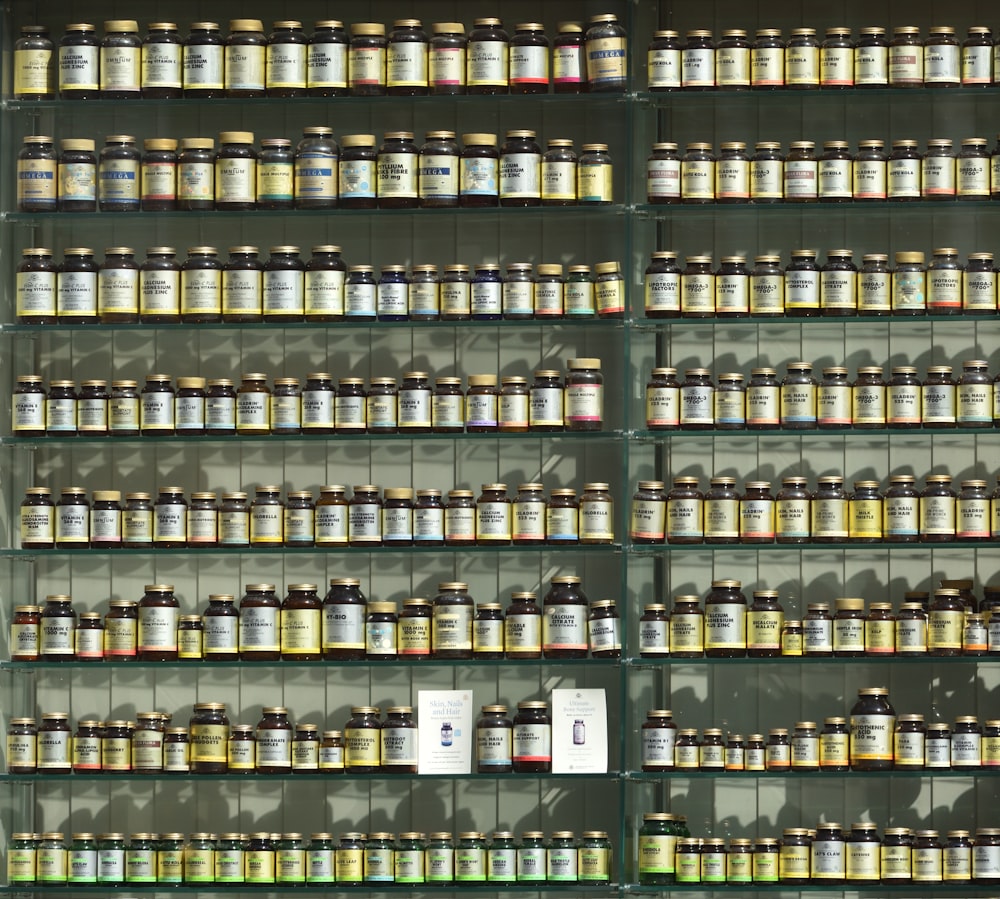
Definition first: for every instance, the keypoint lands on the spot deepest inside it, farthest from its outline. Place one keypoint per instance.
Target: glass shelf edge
(713, 434)
(893, 659)
(843, 546)
(118, 777)
(613, 435)
(189, 664)
(662, 777)
(58, 554)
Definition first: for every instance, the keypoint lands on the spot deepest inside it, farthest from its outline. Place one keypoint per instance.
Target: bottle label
(594, 183)
(245, 67)
(658, 746)
(757, 518)
(487, 64)
(118, 179)
(684, 518)
(656, 853)
(414, 636)
(137, 526)
(252, 411)
(938, 176)
(274, 747)
(868, 403)
(451, 628)
(120, 68)
(359, 300)
(548, 299)
(663, 179)
(817, 635)
(871, 737)
(848, 635)
(201, 291)
(520, 176)
(767, 66)
(869, 180)
(220, 413)
(606, 60)
(397, 175)
(871, 66)
(725, 626)
(286, 65)
(834, 179)
(972, 519)
(106, 525)
(317, 408)
(944, 289)
(77, 181)
(903, 179)
(698, 67)
(829, 518)
(596, 521)
(487, 636)
(564, 627)
(446, 66)
(203, 67)
(438, 176)
(221, 634)
(36, 180)
(529, 64)
(767, 179)
(258, 629)
(235, 180)
(357, 179)
(937, 515)
(966, 749)
(532, 743)
(71, 527)
(78, 68)
(343, 626)
(300, 631)
(275, 182)
(698, 293)
(523, 633)
(732, 293)
(118, 290)
(800, 179)
(942, 64)
(494, 746)
(906, 65)
(610, 296)
(664, 69)
(447, 411)
(283, 292)
(802, 67)
(562, 524)
(157, 628)
(662, 292)
(944, 629)
(397, 524)
(493, 521)
(648, 519)
(833, 404)
(196, 181)
(698, 180)
(28, 411)
(159, 291)
(315, 176)
(838, 290)
(764, 629)
(479, 177)
(518, 298)
(568, 65)
(331, 523)
(696, 405)
(767, 295)
(722, 518)
(732, 67)
(161, 65)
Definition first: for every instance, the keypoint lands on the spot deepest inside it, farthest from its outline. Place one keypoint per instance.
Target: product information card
(444, 719)
(579, 732)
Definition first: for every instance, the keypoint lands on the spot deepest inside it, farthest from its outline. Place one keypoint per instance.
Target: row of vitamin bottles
(801, 402)
(836, 176)
(805, 289)
(369, 519)
(838, 62)
(343, 626)
(796, 515)
(290, 63)
(196, 406)
(827, 854)
(951, 624)
(317, 174)
(366, 745)
(916, 746)
(356, 859)
(244, 289)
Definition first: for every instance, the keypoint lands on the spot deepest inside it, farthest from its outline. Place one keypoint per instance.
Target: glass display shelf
(374, 664)
(363, 437)
(330, 889)
(676, 774)
(117, 777)
(889, 659)
(782, 97)
(922, 890)
(58, 554)
(820, 211)
(783, 322)
(365, 104)
(785, 434)
(839, 547)
(563, 323)
(563, 213)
